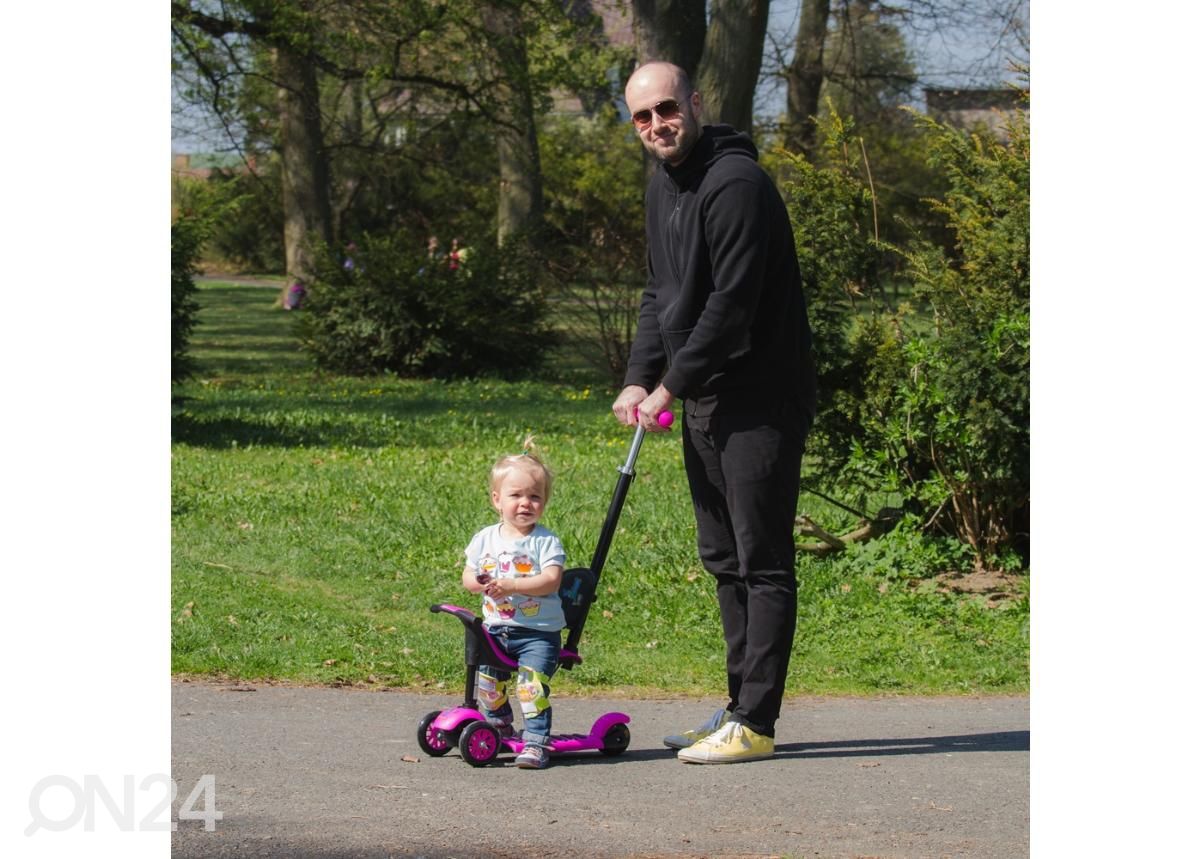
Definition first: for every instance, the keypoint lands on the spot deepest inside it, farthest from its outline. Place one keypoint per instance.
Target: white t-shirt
(506, 558)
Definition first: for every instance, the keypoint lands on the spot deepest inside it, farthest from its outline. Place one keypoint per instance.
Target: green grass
(316, 517)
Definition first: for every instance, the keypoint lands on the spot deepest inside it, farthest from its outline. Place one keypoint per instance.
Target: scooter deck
(458, 717)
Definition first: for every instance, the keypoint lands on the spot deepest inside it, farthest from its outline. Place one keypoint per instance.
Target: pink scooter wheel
(479, 744)
(432, 741)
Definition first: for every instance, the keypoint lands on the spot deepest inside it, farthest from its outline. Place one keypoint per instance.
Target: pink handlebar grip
(665, 418)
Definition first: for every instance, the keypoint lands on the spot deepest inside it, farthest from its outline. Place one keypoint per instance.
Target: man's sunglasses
(668, 109)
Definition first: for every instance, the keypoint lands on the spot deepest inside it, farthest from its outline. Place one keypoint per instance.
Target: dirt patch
(995, 586)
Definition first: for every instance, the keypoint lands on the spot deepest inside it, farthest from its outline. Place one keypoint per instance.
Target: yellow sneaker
(687, 738)
(730, 744)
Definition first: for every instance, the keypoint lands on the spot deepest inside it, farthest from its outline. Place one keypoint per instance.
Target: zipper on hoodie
(673, 240)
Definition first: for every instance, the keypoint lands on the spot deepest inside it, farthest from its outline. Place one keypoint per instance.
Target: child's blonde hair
(529, 461)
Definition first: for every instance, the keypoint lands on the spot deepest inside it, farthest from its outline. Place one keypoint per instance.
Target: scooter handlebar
(665, 418)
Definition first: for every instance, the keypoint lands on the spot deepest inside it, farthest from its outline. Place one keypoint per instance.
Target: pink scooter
(465, 726)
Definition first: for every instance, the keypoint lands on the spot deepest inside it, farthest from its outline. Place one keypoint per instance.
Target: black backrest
(577, 591)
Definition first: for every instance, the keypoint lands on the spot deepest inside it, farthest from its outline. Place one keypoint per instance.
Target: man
(724, 326)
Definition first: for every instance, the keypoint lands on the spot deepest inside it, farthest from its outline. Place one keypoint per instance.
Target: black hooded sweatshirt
(723, 322)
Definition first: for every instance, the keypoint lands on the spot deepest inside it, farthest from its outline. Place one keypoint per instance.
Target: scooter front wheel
(479, 744)
(432, 741)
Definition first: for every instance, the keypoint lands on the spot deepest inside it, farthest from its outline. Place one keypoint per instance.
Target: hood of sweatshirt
(716, 142)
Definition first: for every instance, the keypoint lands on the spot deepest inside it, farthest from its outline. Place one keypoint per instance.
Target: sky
(965, 50)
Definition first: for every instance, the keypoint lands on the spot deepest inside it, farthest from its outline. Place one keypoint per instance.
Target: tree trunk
(670, 30)
(306, 208)
(733, 49)
(520, 198)
(804, 78)
(520, 206)
(343, 193)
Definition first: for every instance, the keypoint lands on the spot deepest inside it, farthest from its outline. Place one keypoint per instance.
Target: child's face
(520, 499)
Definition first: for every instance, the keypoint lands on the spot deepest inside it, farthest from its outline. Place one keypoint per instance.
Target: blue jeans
(534, 650)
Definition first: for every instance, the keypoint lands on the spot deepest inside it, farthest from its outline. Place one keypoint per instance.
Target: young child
(517, 565)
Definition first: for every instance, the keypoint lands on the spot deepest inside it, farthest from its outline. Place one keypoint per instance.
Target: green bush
(246, 223)
(957, 435)
(929, 399)
(833, 216)
(383, 304)
(250, 233)
(187, 236)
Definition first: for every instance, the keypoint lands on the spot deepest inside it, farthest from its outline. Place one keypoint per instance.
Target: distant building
(971, 108)
(202, 165)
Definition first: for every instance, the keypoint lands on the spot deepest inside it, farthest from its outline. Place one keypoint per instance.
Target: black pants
(744, 473)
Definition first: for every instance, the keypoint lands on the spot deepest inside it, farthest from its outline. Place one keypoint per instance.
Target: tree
(733, 50)
(999, 37)
(849, 42)
(520, 196)
(721, 53)
(305, 173)
(870, 76)
(851, 55)
(670, 30)
(217, 48)
(591, 38)
(804, 75)
(851, 58)
(363, 84)
(868, 71)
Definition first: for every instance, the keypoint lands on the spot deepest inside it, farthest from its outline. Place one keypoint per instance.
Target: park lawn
(315, 518)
